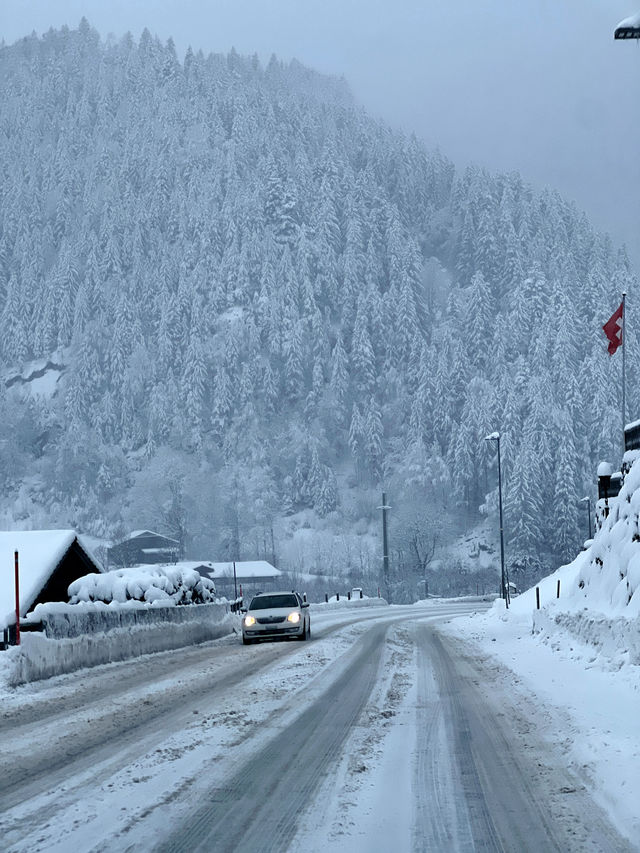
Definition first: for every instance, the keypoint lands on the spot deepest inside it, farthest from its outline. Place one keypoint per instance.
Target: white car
(276, 614)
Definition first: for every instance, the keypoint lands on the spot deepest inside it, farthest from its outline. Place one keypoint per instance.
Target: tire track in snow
(258, 809)
(442, 820)
(514, 801)
(503, 810)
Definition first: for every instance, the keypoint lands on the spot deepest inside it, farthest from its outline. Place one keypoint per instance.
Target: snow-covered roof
(181, 564)
(155, 550)
(39, 552)
(246, 569)
(135, 533)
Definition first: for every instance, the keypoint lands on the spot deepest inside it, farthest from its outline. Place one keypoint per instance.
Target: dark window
(266, 602)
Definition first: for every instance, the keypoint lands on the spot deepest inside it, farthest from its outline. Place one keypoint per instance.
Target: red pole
(15, 554)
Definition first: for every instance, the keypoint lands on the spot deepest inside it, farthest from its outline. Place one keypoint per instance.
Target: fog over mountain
(535, 86)
(257, 306)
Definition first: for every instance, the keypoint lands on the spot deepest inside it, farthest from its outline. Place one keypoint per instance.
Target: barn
(48, 561)
(144, 547)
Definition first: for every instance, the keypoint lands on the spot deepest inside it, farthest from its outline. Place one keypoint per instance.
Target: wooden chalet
(48, 562)
(143, 547)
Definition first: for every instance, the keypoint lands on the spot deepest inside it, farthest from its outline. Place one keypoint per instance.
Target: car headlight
(293, 617)
(249, 620)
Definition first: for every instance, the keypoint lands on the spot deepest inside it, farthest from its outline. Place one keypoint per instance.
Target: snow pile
(168, 585)
(609, 571)
(599, 601)
(334, 604)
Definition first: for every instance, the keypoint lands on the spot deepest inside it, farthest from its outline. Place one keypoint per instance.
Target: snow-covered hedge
(165, 584)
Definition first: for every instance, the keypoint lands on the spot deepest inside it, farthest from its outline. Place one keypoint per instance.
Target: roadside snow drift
(112, 634)
(580, 653)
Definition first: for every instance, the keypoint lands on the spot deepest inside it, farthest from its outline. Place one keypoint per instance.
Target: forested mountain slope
(264, 306)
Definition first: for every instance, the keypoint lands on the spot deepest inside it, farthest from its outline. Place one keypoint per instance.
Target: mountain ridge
(273, 305)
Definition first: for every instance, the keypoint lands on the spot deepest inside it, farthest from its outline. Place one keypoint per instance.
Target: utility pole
(624, 366)
(385, 547)
(504, 579)
(17, 591)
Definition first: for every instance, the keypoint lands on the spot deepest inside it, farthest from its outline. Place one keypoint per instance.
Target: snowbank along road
(379, 735)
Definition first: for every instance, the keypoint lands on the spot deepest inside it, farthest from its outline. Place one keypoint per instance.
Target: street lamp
(385, 547)
(587, 500)
(495, 436)
(629, 28)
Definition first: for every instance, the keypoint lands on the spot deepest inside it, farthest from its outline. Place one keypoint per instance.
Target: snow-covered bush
(610, 576)
(166, 584)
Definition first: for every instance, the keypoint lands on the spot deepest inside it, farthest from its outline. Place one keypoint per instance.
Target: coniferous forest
(262, 307)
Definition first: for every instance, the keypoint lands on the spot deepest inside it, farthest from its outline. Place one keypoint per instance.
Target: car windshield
(266, 602)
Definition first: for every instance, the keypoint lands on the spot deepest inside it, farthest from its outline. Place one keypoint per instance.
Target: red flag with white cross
(613, 329)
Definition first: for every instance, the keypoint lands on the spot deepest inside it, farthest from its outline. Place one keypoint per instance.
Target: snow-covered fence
(77, 636)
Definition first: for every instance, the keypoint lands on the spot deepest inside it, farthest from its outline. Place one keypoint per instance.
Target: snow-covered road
(378, 735)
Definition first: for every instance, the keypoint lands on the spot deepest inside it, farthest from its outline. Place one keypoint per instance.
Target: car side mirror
(243, 610)
(305, 604)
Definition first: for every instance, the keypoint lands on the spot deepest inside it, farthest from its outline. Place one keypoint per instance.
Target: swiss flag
(613, 329)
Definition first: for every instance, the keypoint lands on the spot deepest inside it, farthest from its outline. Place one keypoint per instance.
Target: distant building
(48, 561)
(252, 576)
(143, 547)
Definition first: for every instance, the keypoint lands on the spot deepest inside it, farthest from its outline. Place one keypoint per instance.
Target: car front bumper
(271, 632)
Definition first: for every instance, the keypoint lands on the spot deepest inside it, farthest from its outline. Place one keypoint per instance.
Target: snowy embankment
(85, 635)
(345, 603)
(118, 615)
(114, 635)
(579, 654)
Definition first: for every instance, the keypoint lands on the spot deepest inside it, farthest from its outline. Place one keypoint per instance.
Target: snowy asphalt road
(377, 735)
(258, 808)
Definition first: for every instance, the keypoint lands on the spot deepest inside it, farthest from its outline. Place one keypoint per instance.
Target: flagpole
(624, 363)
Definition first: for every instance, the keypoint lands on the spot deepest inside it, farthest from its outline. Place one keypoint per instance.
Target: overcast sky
(538, 86)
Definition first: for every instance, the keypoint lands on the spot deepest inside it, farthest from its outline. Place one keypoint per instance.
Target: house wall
(131, 551)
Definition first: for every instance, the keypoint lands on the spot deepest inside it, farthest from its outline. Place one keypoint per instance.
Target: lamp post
(495, 436)
(385, 546)
(629, 28)
(587, 500)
